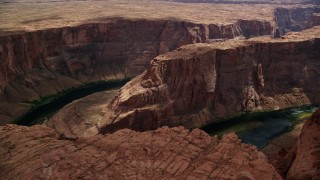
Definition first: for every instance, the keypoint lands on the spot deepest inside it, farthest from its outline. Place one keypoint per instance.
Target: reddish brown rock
(306, 164)
(295, 19)
(39, 152)
(281, 151)
(44, 62)
(41, 63)
(110, 50)
(82, 116)
(242, 28)
(198, 83)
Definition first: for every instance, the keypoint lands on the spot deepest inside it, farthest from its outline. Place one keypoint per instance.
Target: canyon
(214, 80)
(162, 153)
(186, 65)
(42, 63)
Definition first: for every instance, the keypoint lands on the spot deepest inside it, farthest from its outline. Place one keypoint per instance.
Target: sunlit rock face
(39, 152)
(198, 83)
(41, 63)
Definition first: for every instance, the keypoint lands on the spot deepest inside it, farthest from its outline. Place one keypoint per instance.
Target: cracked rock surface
(39, 152)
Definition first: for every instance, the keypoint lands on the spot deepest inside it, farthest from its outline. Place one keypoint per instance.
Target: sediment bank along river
(260, 128)
(47, 106)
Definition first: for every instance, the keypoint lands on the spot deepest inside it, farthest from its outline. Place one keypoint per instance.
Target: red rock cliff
(295, 19)
(41, 63)
(197, 83)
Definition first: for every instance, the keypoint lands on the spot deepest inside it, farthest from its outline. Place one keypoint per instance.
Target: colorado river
(257, 128)
(39, 113)
(260, 128)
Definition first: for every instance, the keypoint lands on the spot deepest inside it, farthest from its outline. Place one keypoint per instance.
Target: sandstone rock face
(295, 19)
(78, 51)
(197, 83)
(242, 28)
(81, 117)
(306, 164)
(39, 152)
(42, 63)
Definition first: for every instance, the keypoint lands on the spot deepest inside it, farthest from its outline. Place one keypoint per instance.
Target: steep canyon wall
(41, 63)
(197, 84)
(295, 19)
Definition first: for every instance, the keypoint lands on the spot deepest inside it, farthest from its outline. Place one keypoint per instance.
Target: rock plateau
(199, 64)
(39, 152)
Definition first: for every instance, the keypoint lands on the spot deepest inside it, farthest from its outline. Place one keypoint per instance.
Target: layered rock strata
(44, 62)
(295, 19)
(39, 152)
(90, 51)
(196, 84)
(41, 63)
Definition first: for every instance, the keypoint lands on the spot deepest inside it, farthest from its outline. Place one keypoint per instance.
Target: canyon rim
(105, 89)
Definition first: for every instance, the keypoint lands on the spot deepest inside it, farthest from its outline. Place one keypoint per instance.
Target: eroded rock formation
(97, 51)
(295, 155)
(191, 86)
(197, 83)
(39, 152)
(306, 164)
(295, 19)
(45, 62)
(41, 63)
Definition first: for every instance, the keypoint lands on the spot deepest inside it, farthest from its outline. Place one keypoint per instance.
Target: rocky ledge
(40, 152)
(197, 84)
